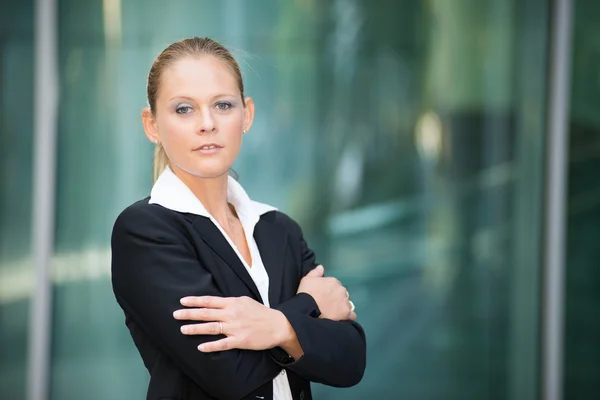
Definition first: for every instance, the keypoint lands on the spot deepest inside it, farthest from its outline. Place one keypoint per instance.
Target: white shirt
(170, 192)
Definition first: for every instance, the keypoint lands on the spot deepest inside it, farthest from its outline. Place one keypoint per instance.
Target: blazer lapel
(272, 244)
(215, 239)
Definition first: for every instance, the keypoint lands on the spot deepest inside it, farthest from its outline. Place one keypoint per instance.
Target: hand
(331, 297)
(246, 323)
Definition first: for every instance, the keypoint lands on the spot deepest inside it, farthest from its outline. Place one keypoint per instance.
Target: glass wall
(405, 136)
(582, 352)
(16, 176)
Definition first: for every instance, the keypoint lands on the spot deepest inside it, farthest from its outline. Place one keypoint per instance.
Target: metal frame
(555, 213)
(45, 127)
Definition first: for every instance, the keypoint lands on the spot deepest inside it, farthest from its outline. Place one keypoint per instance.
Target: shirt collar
(170, 192)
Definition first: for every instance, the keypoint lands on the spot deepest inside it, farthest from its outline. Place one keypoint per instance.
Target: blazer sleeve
(153, 266)
(334, 351)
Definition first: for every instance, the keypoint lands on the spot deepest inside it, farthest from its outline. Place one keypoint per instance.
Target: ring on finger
(351, 306)
(220, 328)
(347, 294)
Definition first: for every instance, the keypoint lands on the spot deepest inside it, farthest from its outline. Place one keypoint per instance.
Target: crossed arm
(154, 267)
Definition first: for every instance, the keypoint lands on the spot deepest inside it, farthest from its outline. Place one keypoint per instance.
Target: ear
(149, 123)
(248, 113)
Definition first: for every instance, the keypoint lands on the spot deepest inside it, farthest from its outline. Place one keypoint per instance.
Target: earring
(155, 141)
(244, 132)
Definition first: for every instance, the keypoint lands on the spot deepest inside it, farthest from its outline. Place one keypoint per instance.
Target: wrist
(283, 331)
(286, 338)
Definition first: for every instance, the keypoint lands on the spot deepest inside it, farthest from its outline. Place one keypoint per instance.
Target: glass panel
(582, 370)
(405, 136)
(103, 163)
(434, 116)
(16, 176)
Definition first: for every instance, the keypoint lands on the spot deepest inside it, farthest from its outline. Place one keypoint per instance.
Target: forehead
(203, 76)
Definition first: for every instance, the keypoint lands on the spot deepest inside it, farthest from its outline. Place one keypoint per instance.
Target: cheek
(232, 122)
(234, 145)
(176, 130)
(178, 140)
(231, 128)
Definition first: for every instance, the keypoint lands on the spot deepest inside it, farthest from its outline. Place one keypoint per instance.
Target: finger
(352, 316)
(205, 301)
(198, 314)
(317, 272)
(209, 328)
(218, 345)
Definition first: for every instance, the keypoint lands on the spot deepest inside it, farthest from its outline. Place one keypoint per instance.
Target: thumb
(317, 272)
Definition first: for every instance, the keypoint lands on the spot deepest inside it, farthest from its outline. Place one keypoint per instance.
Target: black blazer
(160, 256)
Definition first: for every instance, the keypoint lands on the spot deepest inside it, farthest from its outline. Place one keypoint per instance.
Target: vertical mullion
(555, 213)
(45, 126)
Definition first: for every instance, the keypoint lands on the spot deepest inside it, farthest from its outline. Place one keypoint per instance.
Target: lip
(204, 149)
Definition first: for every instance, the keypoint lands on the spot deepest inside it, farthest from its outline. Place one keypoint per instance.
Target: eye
(223, 106)
(183, 109)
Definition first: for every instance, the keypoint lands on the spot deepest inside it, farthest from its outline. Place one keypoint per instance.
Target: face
(199, 116)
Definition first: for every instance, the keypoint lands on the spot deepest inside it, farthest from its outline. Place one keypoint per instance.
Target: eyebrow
(212, 99)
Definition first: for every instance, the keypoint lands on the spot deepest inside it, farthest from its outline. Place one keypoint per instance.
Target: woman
(220, 293)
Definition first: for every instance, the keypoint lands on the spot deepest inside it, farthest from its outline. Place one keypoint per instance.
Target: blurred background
(410, 138)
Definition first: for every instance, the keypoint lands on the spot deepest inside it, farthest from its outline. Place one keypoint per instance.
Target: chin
(205, 168)
(209, 172)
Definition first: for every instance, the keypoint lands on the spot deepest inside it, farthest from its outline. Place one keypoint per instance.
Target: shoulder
(273, 215)
(284, 221)
(142, 216)
(139, 212)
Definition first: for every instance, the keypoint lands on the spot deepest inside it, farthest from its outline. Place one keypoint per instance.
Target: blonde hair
(160, 160)
(184, 48)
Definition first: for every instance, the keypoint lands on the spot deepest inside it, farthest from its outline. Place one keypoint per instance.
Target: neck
(212, 193)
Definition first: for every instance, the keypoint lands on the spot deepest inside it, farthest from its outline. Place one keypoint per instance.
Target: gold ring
(221, 328)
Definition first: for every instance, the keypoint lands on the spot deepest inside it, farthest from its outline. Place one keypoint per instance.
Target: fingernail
(178, 314)
(201, 347)
(185, 329)
(184, 301)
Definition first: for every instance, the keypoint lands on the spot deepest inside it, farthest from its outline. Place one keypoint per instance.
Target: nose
(206, 122)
